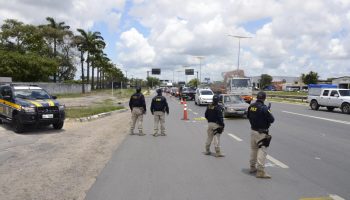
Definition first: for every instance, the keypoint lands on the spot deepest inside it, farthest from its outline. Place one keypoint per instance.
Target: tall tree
(93, 43)
(310, 78)
(55, 33)
(265, 80)
(194, 82)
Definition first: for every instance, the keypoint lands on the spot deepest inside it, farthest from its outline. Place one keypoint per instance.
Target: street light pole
(200, 67)
(239, 45)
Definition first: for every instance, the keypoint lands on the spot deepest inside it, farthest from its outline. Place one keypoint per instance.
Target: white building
(342, 82)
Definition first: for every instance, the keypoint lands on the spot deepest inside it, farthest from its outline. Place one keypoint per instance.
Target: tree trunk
(92, 74)
(97, 77)
(54, 55)
(88, 68)
(82, 72)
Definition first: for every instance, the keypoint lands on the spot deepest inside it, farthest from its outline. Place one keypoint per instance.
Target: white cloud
(136, 50)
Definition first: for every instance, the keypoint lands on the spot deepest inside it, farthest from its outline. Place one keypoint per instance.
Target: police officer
(159, 106)
(137, 106)
(214, 115)
(260, 119)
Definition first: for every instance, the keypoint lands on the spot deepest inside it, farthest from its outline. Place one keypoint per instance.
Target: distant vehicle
(329, 97)
(269, 88)
(233, 105)
(29, 105)
(187, 93)
(203, 96)
(175, 91)
(240, 86)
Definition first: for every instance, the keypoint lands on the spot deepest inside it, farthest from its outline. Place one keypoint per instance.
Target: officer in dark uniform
(159, 106)
(260, 119)
(214, 115)
(137, 106)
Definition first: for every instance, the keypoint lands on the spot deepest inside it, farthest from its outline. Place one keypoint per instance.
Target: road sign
(156, 71)
(189, 72)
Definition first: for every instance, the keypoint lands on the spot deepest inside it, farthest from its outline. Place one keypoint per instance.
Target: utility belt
(266, 140)
(262, 131)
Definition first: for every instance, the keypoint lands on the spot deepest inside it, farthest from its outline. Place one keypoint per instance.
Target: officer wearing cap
(214, 115)
(159, 106)
(137, 106)
(260, 119)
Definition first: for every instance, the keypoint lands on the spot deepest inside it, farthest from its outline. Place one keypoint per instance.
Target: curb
(98, 116)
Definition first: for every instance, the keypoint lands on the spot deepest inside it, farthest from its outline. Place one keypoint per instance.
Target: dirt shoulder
(59, 164)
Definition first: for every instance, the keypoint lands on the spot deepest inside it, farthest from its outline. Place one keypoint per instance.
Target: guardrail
(285, 97)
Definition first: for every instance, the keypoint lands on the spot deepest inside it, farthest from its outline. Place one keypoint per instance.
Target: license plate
(240, 112)
(47, 116)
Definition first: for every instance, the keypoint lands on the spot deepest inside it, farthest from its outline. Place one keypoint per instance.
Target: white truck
(330, 98)
(240, 86)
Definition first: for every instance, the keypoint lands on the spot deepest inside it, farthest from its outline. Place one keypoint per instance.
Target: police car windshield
(31, 94)
(232, 99)
(206, 92)
(344, 92)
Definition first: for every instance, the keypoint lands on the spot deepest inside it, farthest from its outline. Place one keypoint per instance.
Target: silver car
(233, 105)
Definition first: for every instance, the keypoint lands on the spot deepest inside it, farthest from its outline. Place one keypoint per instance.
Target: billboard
(156, 71)
(189, 71)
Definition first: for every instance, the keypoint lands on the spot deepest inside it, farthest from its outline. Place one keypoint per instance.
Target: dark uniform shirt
(214, 114)
(137, 100)
(259, 116)
(159, 103)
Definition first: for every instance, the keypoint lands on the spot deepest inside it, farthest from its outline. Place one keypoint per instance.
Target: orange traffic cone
(185, 110)
(181, 101)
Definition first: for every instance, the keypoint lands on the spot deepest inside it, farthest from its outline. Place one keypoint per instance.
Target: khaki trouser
(136, 114)
(211, 136)
(159, 117)
(257, 155)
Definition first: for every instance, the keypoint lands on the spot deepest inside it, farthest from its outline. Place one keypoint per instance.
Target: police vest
(158, 103)
(137, 100)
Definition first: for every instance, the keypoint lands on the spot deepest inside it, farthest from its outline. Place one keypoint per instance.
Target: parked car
(203, 96)
(233, 105)
(29, 105)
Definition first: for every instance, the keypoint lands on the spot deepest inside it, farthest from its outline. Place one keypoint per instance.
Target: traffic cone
(181, 101)
(185, 110)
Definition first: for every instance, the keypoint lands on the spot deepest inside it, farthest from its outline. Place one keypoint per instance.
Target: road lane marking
(235, 137)
(332, 120)
(195, 113)
(277, 162)
(336, 197)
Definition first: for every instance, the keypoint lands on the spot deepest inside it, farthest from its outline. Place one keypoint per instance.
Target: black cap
(159, 91)
(216, 98)
(261, 95)
(138, 89)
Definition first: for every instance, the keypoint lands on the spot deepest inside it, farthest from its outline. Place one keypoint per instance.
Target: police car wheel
(17, 125)
(1, 121)
(58, 125)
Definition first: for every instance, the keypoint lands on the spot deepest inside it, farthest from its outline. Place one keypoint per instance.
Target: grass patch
(285, 93)
(297, 101)
(91, 110)
(120, 93)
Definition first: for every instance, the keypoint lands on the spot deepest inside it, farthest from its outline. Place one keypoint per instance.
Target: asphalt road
(309, 157)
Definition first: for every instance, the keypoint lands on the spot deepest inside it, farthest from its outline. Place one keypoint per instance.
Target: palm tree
(79, 42)
(93, 43)
(57, 33)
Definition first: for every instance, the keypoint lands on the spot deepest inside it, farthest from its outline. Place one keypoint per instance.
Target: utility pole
(200, 67)
(239, 45)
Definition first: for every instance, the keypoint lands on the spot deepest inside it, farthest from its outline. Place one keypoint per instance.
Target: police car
(29, 105)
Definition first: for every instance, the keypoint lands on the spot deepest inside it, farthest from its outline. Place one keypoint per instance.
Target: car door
(334, 99)
(6, 104)
(324, 98)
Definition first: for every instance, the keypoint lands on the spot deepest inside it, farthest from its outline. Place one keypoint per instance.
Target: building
(280, 82)
(342, 82)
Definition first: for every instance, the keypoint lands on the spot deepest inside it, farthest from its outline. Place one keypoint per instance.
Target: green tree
(28, 67)
(193, 83)
(265, 80)
(310, 78)
(55, 33)
(152, 81)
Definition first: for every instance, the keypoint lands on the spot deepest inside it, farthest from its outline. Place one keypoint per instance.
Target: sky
(286, 37)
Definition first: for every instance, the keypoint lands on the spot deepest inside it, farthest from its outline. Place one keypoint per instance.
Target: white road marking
(189, 109)
(275, 161)
(195, 113)
(336, 197)
(331, 120)
(235, 137)
(317, 158)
